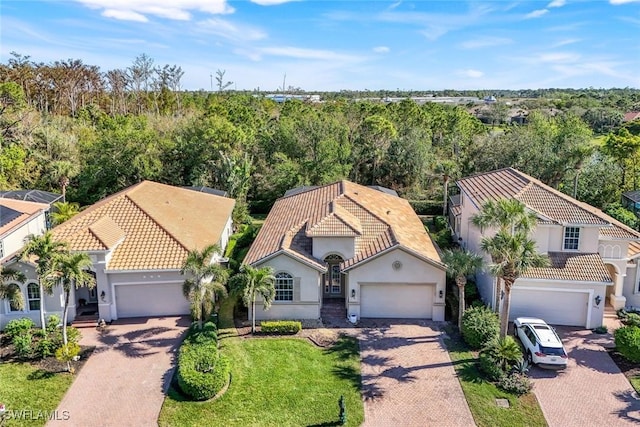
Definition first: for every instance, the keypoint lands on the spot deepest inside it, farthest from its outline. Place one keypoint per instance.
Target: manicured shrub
(489, 367)
(515, 383)
(479, 326)
(67, 353)
(627, 341)
(45, 347)
(505, 351)
(281, 327)
(22, 344)
(18, 327)
(632, 319)
(202, 371)
(53, 322)
(208, 333)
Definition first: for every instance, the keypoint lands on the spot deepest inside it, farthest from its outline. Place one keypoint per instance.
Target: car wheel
(515, 331)
(529, 358)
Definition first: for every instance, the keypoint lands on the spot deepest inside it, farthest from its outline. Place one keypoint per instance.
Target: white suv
(542, 346)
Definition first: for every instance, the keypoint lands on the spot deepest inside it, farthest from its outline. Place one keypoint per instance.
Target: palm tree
(250, 283)
(44, 248)
(505, 351)
(62, 171)
(512, 255)
(460, 264)
(71, 270)
(509, 215)
(205, 281)
(447, 169)
(10, 291)
(64, 211)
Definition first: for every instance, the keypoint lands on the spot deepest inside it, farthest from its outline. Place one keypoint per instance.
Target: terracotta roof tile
(24, 211)
(158, 224)
(573, 266)
(377, 221)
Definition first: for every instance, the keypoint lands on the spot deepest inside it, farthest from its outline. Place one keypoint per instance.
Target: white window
(571, 238)
(335, 279)
(16, 288)
(284, 287)
(33, 296)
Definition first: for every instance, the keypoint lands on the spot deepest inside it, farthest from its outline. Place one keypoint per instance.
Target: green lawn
(24, 387)
(635, 382)
(481, 395)
(276, 382)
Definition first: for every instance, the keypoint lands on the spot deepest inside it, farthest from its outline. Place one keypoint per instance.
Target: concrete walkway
(124, 382)
(408, 378)
(591, 391)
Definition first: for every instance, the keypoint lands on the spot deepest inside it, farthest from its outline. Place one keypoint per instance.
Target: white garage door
(396, 300)
(161, 299)
(554, 307)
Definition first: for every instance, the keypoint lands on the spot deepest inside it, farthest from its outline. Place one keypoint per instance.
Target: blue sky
(334, 45)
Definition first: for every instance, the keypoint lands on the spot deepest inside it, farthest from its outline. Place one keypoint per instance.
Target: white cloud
(565, 42)
(381, 49)
(536, 13)
(482, 42)
(617, 2)
(471, 73)
(302, 53)
(138, 10)
(271, 2)
(557, 3)
(229, 30)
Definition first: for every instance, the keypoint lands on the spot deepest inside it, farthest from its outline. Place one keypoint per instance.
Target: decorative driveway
(591, 391)
(408, 379)
(124, 381)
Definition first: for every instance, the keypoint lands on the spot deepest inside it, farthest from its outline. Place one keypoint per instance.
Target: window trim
(572, 237)
(36, 299)
(283, 286)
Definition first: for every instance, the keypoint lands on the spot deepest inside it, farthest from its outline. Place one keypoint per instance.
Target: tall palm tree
(509, 215)
(460, 264)
(62, 171)
(64, 211)
(10, 291)
(250, 283)
(205, 281)
(516, 253)
(44, 248)
(447, 169)
(70, 269)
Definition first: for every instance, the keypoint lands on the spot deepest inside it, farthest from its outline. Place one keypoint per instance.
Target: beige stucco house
(364, 247)
(594, 258)
(138, 240)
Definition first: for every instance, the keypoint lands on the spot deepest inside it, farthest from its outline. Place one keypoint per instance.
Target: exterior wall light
(353, 293)
(103, 296)
(598, 299)
(440, 293)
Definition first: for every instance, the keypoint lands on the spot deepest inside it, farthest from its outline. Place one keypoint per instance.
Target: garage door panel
(396, 300)
(555, 307)
(151, 300)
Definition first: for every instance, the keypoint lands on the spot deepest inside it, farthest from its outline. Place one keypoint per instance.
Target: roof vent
(388, 212)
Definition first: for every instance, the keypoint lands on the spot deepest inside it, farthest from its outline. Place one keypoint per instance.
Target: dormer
(334, 233)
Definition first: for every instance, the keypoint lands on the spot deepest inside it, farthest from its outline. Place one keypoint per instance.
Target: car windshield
(552, 351)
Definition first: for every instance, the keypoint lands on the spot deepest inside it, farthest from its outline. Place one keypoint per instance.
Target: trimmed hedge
(281, 327)
(627, 341)
(479, 326)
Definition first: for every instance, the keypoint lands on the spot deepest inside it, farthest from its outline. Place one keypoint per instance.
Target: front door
(333, 277)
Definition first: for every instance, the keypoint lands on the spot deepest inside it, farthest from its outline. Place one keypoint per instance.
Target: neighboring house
(344, 242)
(138, 240)
(631, 116)
(37, 196)
(594, 258)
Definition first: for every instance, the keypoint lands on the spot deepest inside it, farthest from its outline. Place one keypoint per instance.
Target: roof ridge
(477, 174)
(156, 222)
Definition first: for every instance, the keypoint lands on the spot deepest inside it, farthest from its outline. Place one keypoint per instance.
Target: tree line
(68, 127)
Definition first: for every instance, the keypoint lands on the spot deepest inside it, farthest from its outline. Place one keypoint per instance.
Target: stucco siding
(14, 241)
(343, 246)
(309, 277)
(286, 311)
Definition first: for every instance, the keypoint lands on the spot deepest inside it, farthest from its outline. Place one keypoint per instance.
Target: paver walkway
(408, 379)
(124, 382)
(591, 391)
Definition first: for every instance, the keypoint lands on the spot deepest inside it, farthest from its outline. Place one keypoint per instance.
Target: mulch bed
(628, 368)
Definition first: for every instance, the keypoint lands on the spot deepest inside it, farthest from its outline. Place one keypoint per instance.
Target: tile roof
(20, 212)
(148, 226)
(631, 116)
(573, 266)
(551, 205)
(376, 220)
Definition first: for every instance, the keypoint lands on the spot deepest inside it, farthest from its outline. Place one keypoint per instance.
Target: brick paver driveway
(591, 391)
(124, 381)
(408, 379)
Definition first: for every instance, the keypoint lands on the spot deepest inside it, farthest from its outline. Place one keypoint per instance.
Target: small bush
(281, 327)
(632, 319)
(208, 333)
(202, 371)
(601, 330)
(627, 341)
(53, 322)
(22, 344)
(516, 383)
(489, 367)
(18, 327)
(46, 347)
(479, 326)
(440, 223)
(505, 351)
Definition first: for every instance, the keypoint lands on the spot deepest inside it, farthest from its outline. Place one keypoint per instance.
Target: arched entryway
(333, 286)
